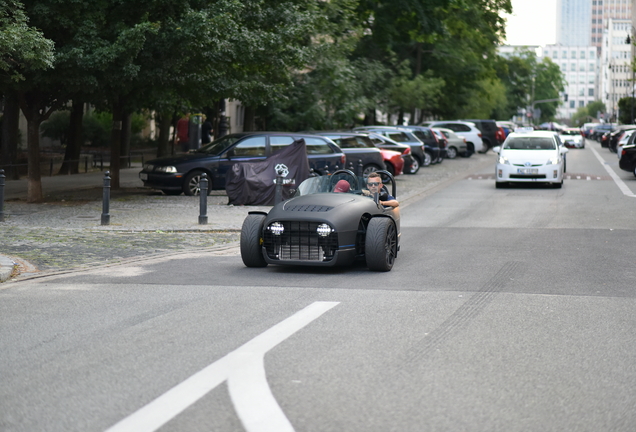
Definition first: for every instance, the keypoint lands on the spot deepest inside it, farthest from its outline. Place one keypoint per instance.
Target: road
(507, 310)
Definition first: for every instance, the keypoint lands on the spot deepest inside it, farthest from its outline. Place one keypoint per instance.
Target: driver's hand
(366, 192)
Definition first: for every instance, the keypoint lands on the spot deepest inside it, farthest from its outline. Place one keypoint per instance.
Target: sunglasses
(373, 184)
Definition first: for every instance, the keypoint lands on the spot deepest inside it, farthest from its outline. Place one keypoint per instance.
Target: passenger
(374, 184)
(342, 186)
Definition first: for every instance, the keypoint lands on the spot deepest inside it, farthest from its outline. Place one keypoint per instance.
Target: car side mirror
(496, 149)
(230, 154)
(564, 150)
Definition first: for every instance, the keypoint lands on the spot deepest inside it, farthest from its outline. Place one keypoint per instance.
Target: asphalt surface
(64, 232)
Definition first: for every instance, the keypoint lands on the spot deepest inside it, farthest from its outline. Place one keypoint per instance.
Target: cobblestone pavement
(65, 232)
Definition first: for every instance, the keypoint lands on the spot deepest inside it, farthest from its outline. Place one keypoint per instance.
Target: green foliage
(57, 127)
(588, 113)
(626, 110)
(422, 91)
(22, 48)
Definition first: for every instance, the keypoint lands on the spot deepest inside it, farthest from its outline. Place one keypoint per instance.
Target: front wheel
(368, 169)
(427, 159)
(451, 153)
(415, 166)
(381, 244)
(251, 232)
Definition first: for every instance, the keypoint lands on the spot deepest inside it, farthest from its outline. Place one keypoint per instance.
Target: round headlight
(323, 230)
(276, 228)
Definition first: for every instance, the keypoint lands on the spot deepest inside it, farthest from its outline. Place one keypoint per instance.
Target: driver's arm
(390, 203)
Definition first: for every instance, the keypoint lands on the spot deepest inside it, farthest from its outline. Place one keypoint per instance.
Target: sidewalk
(65, 230)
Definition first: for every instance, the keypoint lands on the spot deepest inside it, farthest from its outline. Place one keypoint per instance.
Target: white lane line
(619, 182)
(251, 395)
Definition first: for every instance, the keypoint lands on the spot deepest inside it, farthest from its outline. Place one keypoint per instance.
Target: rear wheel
(381, 244)
(451, 153)
(251, 252)
(390, 168)
(192, 183)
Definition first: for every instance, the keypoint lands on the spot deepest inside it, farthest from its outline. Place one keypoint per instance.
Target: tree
(23, 49)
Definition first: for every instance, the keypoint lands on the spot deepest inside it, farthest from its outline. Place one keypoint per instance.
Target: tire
(171, 192)
(251, 252)
(390, 168)
(485, 148)
(634, 171)
(415, 166)
(368, 169)
(451, 153)
(428, 159)
(192, 183)
(558, 185)
(500, 185)
(381, 244)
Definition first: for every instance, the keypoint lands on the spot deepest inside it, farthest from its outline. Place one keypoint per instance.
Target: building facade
(617, 75)
(573, 18)
(579, 65)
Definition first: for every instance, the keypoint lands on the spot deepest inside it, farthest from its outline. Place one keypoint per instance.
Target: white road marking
(619, 182)
(244, 370)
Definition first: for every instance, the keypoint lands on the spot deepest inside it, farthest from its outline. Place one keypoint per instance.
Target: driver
(374, 184)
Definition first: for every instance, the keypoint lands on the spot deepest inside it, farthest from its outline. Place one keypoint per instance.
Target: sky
(533, 22)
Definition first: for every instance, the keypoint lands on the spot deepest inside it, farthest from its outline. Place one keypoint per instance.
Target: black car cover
(254, 183)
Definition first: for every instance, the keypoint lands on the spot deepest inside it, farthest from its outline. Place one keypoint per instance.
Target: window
(250, 147)
(555, 54)
(573, 54)
(317, 146)
(582, 54)
(582, 67)
(573, 67)
(581, 104)
(590, 92)
(565, 54)
(277, 143)
(591, 67)
(571, 104)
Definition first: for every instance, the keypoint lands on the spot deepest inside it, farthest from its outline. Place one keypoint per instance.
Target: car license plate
(143, 176)
(527, 171)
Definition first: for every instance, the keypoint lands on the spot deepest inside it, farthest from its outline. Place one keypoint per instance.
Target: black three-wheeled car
(320, 227)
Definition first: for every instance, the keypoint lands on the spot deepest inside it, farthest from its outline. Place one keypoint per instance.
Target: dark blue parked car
(177, 174)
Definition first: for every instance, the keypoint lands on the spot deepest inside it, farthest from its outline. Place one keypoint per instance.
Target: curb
(6, 268)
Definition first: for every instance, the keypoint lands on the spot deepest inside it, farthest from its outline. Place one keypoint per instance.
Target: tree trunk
(34, 176)
(75, 140)
(115, 144)
(163, 141)
(248, 120)
(125, 137)
(10, 135)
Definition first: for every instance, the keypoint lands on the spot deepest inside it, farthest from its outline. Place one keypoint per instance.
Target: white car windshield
(530, 143)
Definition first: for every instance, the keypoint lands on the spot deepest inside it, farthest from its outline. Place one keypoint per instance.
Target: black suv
(182, 173)
(488, 130)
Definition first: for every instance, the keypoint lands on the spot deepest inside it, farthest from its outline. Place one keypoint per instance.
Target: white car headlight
(553, 161)
(166, 169)
(503, 160)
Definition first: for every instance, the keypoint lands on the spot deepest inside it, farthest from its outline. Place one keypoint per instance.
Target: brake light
(343, 160)
(479, 135)
(407, 151)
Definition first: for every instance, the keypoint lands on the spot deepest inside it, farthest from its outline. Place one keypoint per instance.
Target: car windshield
(331, 183)
(220, 145)
(530, 143)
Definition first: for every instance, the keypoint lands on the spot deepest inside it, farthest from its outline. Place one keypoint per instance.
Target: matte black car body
(182, 173)
(422, 155)
(354, 226)
(359, 150)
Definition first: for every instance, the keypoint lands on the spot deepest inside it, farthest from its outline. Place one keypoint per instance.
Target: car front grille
(308, 208)
(527, 176)
(300, 241)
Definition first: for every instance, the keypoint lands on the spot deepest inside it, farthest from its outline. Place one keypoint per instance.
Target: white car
(530, 157)
(464, 129)
(572, 138)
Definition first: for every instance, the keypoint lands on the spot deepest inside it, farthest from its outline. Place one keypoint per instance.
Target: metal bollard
(203, 201)
(106, 200)
(2, 177)
(279, 188)
(360, 168)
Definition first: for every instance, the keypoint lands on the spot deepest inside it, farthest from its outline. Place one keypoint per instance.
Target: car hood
(532, 156)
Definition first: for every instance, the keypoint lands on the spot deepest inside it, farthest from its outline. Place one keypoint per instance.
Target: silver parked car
(456, 144)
